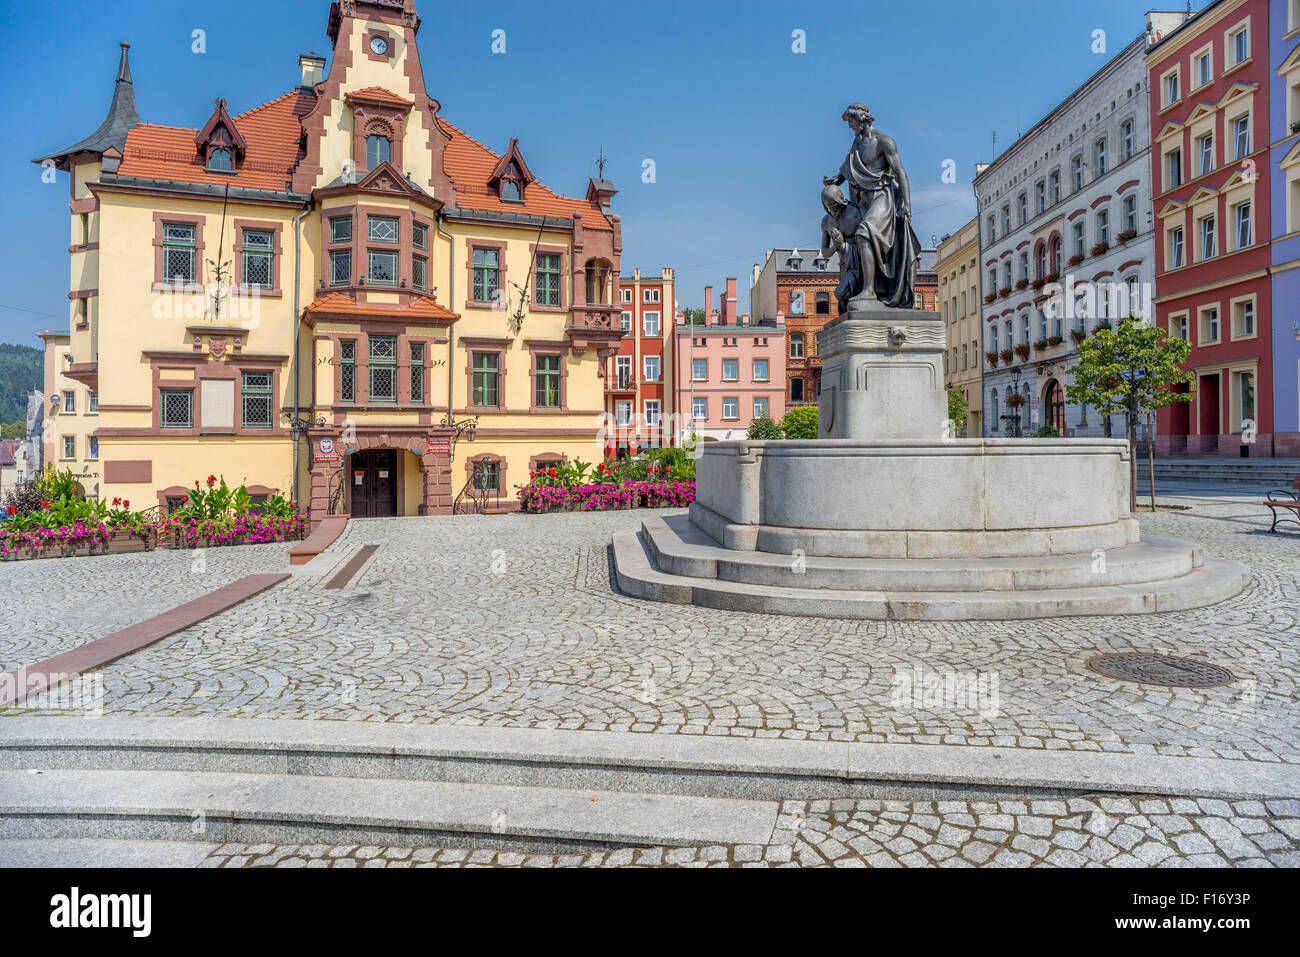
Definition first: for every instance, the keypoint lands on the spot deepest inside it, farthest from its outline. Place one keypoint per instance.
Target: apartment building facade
(728, 370)
(1284, 173)
(639, 378)
(1066, 245)
(958, 292)
(1209, 93)
(71, 416)
(796, 288)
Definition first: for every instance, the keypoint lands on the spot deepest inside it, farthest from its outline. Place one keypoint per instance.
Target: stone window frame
(1201, 309)
(470, 246)
(265, 226)
(160, 221)
(1233, 302)
(535, 250)
(725, 400)
(548, 459)
(476, 345)
(503, 484)
(546, 348)
(203, 369)
(361, 367)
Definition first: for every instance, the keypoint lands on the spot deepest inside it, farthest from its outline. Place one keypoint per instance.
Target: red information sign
(439, 446)
(331, 458)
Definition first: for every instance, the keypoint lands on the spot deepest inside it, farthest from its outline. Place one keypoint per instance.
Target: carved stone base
(882, 375)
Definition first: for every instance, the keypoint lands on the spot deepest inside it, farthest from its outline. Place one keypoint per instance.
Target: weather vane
(600, 162)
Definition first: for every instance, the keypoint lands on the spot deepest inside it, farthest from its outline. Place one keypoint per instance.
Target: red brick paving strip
(352, 567)
(322, 538)
(95, 654)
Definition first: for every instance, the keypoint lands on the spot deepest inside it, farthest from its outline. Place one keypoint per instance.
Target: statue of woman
(887, 247)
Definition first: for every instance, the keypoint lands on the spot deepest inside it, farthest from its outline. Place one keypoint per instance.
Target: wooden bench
(1284, 509)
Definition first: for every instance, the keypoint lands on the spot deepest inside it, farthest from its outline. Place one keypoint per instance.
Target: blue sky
(740, 127)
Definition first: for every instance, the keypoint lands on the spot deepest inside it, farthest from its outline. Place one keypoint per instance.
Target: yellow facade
(195, 371)
(959, 304)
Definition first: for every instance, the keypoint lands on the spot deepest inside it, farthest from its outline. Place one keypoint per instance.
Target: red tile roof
(337, 303)
(379, 94)
(273, 131)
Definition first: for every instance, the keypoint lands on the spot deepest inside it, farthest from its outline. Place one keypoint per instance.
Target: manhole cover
(1149, 669)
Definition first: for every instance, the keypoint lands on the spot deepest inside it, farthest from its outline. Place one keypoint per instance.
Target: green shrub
(765, 429)
(800, 423)
(1047, 432)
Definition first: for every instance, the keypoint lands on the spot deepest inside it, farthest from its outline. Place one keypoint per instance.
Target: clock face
(379, 45)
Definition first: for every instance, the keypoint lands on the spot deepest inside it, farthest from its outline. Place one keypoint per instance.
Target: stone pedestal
(882, 376)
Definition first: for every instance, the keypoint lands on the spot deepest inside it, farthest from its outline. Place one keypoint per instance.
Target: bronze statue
(879, 214)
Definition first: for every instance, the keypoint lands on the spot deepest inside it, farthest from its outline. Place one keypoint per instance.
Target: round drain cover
(1149, 669)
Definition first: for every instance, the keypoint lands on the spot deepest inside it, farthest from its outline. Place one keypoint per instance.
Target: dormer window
(511, 175)
(220, 161)
(510, 192)
(378, 150)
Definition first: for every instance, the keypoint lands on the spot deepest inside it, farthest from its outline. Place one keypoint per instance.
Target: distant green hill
(21, 371)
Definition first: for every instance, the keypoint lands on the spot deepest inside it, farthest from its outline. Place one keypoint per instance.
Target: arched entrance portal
(1054, 406)
(381, 473)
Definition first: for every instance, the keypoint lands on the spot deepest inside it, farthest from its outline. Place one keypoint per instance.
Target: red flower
(532, 475)
(184, 499)
(13, 509)
(126, 504)
(553, 473)
(118, 500)
(196, 483)
(212, 480)
(44, 504)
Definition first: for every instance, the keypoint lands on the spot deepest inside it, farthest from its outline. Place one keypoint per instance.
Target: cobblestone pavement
(1078, 832)
(55, 604)
(511, 621)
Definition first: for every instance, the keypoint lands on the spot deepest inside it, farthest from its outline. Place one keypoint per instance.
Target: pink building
(728, 371)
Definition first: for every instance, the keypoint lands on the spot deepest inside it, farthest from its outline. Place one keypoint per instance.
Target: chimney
(729, 304)
(636, 273)
(744, 318)
(708, 305)
(313, 70)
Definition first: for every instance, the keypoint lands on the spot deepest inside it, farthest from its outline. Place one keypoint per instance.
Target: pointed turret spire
(122, 116)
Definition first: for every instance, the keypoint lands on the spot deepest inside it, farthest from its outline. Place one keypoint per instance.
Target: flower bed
(664, 493)
(74, 541)
(248, 529)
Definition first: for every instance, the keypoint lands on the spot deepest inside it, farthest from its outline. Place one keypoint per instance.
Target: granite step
(679, 548)
(221, 806)
(637, 575)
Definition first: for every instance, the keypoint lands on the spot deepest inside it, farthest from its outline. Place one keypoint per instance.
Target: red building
(639, 377)
(1209, 93)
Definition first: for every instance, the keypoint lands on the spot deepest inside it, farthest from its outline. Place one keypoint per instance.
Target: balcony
(621, 383)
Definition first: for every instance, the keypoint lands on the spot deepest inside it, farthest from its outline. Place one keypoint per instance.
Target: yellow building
(71, 417)
(337, 292)
(959, 304)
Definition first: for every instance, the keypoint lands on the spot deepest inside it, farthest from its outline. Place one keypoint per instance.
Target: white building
(1066, 243)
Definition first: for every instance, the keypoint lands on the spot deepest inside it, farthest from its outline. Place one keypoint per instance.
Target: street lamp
(1016, 372)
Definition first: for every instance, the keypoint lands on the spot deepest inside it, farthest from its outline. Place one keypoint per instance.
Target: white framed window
(760, 370)
(1177, 248)
(760, 406)
(69, 403)
(1099, 154)
(92, 403)
(652, 412)
(626, 322)
(1077, 232)
(1243, 318)
(650, 324)
(1130, 214)
(1238, 45)
(699, 408)
(1208, 234)
(1040, 196)
(1171, 87)
(1128, 142)
(623, 370)
(1054, 186)
(1076, 172)
(731, 408)
(1006, 219)
(1241, 136)
(69, 447)
(700, 370)
(623, 412)
(650, 295)
(651, 365)
(1178, 326)
(1024, 208)
(1173, 169)
(1202, 67)
(1103, 226)
(625, 295)
(730, 370)
(1205, 154)
(1207, 321)
(1241, 225)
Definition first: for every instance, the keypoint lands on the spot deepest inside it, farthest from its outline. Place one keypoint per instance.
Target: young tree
(958, 409)
(1132, 369)
(800, 423)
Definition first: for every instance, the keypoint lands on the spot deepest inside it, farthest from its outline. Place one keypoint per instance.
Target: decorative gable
(220, 142)
(511, 176)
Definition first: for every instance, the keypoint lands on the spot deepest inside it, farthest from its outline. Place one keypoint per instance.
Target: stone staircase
(672, 560)
(1261, 474)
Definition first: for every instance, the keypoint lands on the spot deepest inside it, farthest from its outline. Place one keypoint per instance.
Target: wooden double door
(373, 476)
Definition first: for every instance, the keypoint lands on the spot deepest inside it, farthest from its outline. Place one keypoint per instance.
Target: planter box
(120, 542)
(177, 540)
